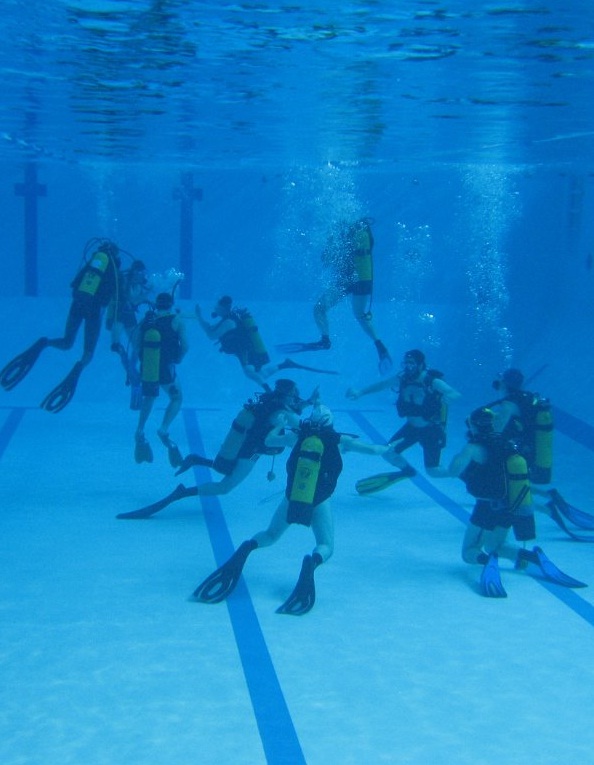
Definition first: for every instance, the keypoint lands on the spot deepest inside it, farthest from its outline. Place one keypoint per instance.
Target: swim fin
(290, 364)
(575, 516)
(385, 360)
(17, 369)
(383, 481)
(180, 492)
(318, 345)
(64, 392)
(303, 597)
(142, 450)
(547, 568)
(555, 515)
(173, 452)
(221, 583)
(193, 459)
(491, 586)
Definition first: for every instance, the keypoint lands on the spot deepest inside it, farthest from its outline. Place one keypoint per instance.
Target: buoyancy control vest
(432, 408)
(244, 340)
(313, 468)
(532, 431)
(247, 433)
(503, 476)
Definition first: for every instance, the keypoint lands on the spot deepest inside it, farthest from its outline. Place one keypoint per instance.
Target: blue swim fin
(577, 517)
(491, 586)
(547, 568)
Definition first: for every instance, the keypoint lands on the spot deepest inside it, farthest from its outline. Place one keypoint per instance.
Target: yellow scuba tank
(226, 458)
(150, 361)
(94, 273)
(307, 470)
(542, 466)
(518, 484)
(251, 329)
(362, 246)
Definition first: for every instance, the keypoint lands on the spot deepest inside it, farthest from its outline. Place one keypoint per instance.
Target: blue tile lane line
(10, 425)
(567, 596)
(275, 725)
(576, 429)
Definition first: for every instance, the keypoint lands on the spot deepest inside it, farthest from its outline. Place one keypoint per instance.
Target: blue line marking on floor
(576, 429)
(566, 595)
(8, 429)
(275, 725)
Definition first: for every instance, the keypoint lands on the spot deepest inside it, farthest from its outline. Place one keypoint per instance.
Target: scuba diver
(423, 396)
(496, 475)
(238, 335)
(135, 290)
(160, 343)
(93, 287)
(242, 447)
(313, 468)
(526, 419)
(349, 256)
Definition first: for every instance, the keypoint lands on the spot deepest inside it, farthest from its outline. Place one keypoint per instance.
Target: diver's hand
(353, 394)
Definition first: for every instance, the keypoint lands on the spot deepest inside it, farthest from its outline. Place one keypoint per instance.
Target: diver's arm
(278, 436)
(449, 393)
(350, 444)
(214, 331)
(389, 382)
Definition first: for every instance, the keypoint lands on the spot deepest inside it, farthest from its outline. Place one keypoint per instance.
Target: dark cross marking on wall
(187, 194)
(30, 190)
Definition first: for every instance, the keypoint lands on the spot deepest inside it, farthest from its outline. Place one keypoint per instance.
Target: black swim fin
(221, 583)
(193, 459)
(318, 345)
(17, 369)
(142, 450)
(491, 586)
(382, 481)
(290, 364)
(547, 568)
(180, 492)
(303, 597)
(173, 452)
(64, 392)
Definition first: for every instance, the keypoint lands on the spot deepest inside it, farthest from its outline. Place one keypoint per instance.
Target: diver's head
(164, 301)
(320, 417)
(512, 379)
(413, 363)
(222, 307)
(481, 422)
(287, 393)
(138, 272)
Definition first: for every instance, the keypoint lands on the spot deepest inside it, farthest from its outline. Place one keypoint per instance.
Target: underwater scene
(316, 280)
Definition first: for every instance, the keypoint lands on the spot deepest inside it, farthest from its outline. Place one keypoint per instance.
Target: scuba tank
(542, 465)
(518, 484)
(150, 360)
(252, 332)
(226, 458)
(362, 243)
(94, 273)
(305, 480)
